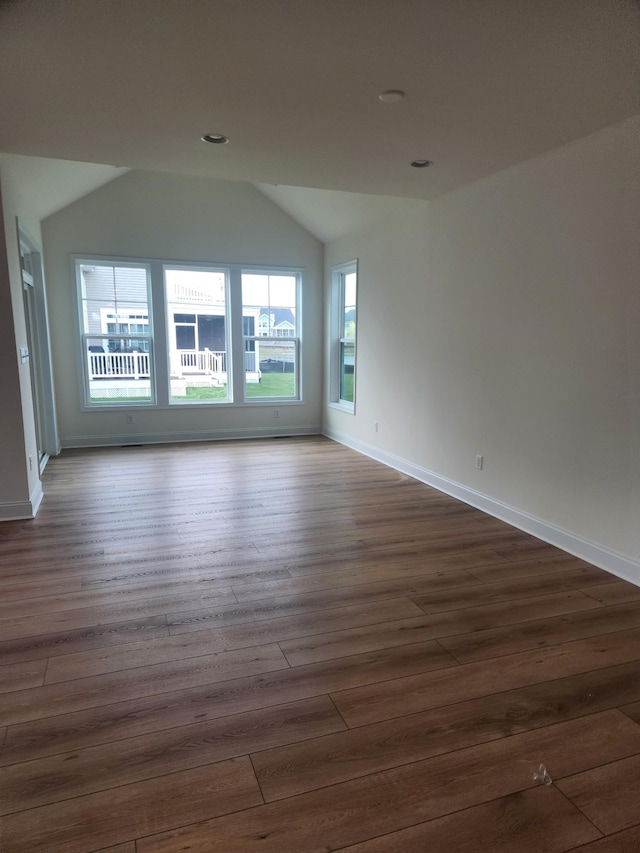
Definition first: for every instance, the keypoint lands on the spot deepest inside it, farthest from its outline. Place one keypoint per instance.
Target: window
(344, 319)
(197, 324)
(271, 337)
(115, 332)
(222, 334)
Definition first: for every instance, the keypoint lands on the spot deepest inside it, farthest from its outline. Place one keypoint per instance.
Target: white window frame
(261, 337)
(197, 310)
(338, 340)
(87, 404)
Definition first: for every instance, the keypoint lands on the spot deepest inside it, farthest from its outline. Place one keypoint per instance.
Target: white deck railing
(135, 365)
(198, 361)
(125, 365)
(206, 361)
(177, 292)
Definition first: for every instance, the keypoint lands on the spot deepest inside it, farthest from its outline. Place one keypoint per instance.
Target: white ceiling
(49, 185)
(294, 84)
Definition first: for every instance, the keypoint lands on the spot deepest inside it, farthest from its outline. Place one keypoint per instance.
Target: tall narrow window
(116, 332)
(197, 329)
(344, 299)
(271, 335)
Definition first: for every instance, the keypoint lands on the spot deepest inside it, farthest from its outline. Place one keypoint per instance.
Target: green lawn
(203, 394)
(120, 399)
(271, 385)
(347, 387)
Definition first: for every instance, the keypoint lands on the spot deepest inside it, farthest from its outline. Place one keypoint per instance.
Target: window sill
(156, 407)
(347, 408)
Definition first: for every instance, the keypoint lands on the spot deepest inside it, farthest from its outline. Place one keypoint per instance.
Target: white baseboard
(14, 511)
(611, 561)
(36, 499)
(18, 510)
(129, 439)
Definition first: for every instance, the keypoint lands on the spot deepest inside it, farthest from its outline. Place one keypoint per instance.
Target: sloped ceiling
(294, 84)
(47, 186)
(329, 214)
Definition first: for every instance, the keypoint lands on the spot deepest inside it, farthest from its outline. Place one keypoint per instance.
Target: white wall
(149, 215)
(20, 489)
(504, 320)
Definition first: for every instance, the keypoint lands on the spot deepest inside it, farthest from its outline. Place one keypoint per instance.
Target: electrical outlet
(479, 462)
(130, 419)
(276, 413)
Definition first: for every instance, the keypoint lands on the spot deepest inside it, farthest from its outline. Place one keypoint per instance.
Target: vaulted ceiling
(294, 85)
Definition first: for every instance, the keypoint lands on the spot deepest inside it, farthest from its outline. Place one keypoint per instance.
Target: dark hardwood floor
(282, 646)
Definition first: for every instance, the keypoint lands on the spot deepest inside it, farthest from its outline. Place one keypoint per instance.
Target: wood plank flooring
(281, 646)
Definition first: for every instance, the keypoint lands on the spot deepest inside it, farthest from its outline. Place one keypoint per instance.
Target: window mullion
(236, 338)
(158, 328)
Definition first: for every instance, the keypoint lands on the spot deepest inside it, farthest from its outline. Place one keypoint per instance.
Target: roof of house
(279, 316)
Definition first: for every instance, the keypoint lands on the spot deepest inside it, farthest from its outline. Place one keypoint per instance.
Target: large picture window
(344, 322)
(225, 334)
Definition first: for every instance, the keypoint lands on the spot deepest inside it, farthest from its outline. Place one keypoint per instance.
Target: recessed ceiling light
(391, 96)
(215, 138)
(421, 164)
